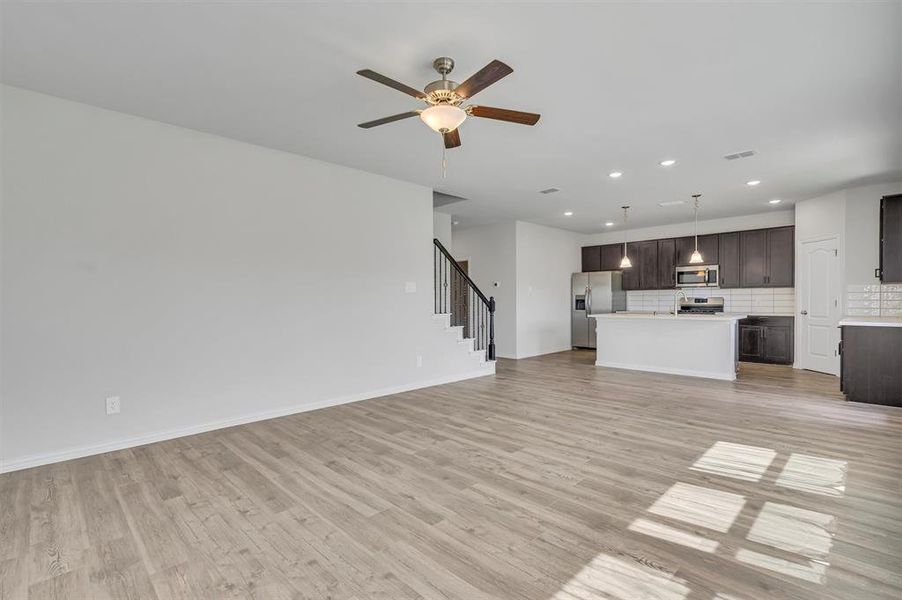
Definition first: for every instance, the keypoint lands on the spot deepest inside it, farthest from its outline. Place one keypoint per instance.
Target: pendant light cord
(696, 197)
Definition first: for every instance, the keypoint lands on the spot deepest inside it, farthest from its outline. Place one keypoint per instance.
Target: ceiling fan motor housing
(442, 92)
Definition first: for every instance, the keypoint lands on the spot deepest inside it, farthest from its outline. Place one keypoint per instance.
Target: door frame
(801, 267)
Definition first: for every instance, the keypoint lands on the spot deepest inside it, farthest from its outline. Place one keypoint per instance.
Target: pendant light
(625, 262)
(696, 258)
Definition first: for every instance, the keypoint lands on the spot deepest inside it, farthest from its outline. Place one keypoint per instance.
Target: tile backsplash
(754, 301)
(875, 300)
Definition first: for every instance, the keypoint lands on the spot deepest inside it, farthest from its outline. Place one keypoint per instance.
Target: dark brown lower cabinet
(766, 339)
(869, 364)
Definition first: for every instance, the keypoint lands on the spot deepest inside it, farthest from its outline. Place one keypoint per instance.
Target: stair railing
(455, 293)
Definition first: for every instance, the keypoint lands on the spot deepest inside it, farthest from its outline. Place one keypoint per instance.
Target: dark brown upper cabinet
(767, 257)
(753, 249)
(666, 264)
(630, 279)
(756, 258)
(781, 257)
(611, 254)
(591, 258)
(648, 265)
(708, 246)
(891, 239)
(729, 260)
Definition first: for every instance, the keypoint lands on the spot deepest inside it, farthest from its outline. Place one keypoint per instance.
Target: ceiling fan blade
(504, 114)
(452, 138)
(483, 78)
(391, 119)
(378, 77)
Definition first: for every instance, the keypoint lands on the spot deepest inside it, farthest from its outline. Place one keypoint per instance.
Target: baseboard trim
(37, 460)
(668, 371)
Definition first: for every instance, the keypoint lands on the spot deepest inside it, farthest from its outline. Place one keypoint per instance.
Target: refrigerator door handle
(588, 300)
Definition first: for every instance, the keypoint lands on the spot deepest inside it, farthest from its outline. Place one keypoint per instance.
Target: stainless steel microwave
(697, 276)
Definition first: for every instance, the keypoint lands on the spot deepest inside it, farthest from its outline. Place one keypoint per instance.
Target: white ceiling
(816, 89)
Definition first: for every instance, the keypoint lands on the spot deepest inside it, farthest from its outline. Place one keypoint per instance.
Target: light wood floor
(553, 479)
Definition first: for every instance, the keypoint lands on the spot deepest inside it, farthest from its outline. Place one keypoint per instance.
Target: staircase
(462, 310)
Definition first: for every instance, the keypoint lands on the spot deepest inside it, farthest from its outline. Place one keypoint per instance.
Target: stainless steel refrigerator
(590, 294)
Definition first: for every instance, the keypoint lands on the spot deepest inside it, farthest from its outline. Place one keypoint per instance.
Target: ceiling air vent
(737, 155)
(549, 191)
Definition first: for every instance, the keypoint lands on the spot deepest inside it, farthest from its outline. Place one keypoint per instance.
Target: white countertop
(671, 317)
(871, 321)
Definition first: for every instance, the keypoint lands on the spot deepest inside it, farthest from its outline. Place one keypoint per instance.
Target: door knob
(804, 312)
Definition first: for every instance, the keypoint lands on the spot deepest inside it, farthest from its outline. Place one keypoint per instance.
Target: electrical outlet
(419, 360)
(113, 405)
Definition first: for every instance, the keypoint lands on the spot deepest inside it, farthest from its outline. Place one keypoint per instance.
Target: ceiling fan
(445, 98)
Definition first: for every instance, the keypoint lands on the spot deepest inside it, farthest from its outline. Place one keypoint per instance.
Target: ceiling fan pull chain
(444, 163)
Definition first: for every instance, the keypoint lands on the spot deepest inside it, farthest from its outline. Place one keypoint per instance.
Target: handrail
(458, 295)
(459, 270)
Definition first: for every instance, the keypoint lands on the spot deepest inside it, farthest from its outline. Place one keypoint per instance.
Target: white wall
(203, 280)
(532, 265)
(546, 257)
(441, 229)
(491, 252)
(775, 218)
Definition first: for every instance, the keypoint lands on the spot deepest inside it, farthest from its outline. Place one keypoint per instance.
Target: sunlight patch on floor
(672, 534)
(793, 529)
(612, 578)
(812, 570)
(813, 474)
(709, 508)
(737, 461)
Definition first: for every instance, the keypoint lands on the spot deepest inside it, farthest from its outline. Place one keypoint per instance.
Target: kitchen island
(681, 344)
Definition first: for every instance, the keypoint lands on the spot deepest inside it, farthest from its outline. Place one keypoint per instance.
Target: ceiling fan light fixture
(443, 118)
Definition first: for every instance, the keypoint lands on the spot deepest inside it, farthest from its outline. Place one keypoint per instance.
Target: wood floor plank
(545, 481)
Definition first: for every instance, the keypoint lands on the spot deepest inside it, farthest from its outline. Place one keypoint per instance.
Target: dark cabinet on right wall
(891, 239)
(767, 257)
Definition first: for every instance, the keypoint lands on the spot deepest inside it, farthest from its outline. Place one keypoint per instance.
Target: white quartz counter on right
(871, 321)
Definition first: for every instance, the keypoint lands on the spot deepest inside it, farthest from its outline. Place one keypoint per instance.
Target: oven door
(700, 276)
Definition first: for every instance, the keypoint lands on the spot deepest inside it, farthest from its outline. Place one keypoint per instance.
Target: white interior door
(819, 310)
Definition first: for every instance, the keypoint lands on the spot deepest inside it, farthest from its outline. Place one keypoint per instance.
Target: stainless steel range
(701, 306)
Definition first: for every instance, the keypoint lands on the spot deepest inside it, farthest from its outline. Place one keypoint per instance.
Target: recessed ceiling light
(614, 174)
(569, 213)
(667, 163)
(455, 222)
(752, 182)
(609, 224)
(671, 203)
(774, 201)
